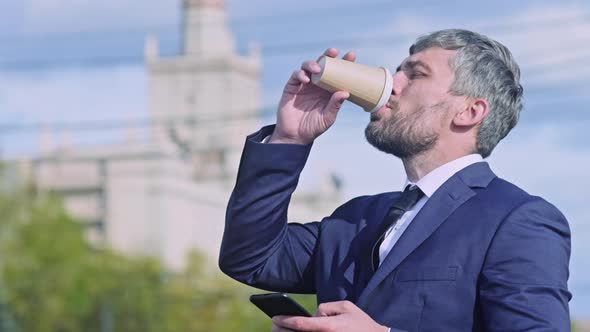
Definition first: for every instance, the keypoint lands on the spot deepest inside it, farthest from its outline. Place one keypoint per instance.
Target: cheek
(413, 101)
(441, 116)
(417, 93)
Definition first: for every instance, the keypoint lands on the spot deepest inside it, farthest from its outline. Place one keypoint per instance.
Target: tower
(209, 95)
(205, 30)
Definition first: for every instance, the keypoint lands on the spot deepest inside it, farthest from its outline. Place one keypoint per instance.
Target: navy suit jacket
(481, 255)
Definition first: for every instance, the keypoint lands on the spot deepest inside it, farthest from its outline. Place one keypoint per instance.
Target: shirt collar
(433, 180)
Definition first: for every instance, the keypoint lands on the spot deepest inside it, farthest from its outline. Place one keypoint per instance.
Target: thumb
(336, 101)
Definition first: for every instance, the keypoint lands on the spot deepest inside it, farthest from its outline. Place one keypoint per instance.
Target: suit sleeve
(523, 286)
(259, 247)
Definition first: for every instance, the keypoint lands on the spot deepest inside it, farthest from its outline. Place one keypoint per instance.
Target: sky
(81, 60)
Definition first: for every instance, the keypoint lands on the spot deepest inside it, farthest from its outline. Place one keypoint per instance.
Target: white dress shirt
(428, 184)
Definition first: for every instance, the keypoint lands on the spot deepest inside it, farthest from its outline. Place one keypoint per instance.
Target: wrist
(277, 139)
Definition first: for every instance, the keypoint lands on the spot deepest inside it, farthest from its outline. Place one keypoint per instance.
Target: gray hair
(483, 68)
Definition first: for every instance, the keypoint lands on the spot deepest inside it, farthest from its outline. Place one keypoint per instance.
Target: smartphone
(274, 304)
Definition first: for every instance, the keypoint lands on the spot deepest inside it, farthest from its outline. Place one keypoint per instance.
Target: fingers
(299, 323)
(303, 75)
(311, 67)
(308, 68)
(336, 101)
(349, 56)
(276, 328)
(335, 308)
(333, 52)
(297, 79)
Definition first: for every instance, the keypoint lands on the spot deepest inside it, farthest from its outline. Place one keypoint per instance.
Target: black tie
(409, 197)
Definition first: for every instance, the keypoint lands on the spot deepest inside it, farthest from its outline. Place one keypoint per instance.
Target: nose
(399, 82)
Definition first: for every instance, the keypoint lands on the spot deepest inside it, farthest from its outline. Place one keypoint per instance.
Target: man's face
(420, 107)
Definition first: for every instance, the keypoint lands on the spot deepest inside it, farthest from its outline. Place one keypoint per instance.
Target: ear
(475, 111)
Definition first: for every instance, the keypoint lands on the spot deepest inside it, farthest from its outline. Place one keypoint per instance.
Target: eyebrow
(412, 64)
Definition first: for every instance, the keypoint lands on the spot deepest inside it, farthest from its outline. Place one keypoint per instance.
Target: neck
(419, 165)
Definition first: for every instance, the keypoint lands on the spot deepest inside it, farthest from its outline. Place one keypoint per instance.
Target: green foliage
(306, 301)
(52, 280)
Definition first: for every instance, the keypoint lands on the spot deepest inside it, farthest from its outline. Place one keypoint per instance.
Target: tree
(44, 262)
(53, 280)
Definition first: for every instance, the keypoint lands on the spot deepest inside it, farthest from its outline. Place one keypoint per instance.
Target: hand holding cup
(306, 111)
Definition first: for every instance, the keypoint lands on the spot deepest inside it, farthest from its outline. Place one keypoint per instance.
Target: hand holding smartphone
(275, 304)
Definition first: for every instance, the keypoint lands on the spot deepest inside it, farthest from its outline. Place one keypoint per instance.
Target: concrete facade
(167, 196)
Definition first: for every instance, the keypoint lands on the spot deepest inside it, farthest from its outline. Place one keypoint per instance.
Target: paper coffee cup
(369, 87)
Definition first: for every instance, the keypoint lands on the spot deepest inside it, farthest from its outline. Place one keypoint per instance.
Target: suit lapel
(363, 255)
(452, 194)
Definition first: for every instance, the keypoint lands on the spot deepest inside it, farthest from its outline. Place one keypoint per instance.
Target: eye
(416, 74)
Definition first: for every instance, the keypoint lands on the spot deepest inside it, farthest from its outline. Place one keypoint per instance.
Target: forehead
(436, 59)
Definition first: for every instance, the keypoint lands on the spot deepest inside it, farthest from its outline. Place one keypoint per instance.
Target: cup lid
(387, 87)
(315, 78)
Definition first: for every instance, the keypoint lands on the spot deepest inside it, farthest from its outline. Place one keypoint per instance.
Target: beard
(402, 135)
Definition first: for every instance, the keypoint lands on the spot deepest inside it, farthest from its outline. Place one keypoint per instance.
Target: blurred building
(168, 195)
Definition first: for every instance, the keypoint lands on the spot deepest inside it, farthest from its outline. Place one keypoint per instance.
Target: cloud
(549, 43)
(68, 97)
(75, 94)
(43, 17)
(68, 16)
(552, 48)
(11, 21)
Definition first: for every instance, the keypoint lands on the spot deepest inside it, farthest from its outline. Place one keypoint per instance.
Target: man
(459, 250)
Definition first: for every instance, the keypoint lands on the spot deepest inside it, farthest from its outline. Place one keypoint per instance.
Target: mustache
(393, 104)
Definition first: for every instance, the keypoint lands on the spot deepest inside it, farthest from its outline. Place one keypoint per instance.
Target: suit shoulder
(499, 183)
(501, 199)
(503, 192)
(516, 200)
(510, 191)
(361, 204)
